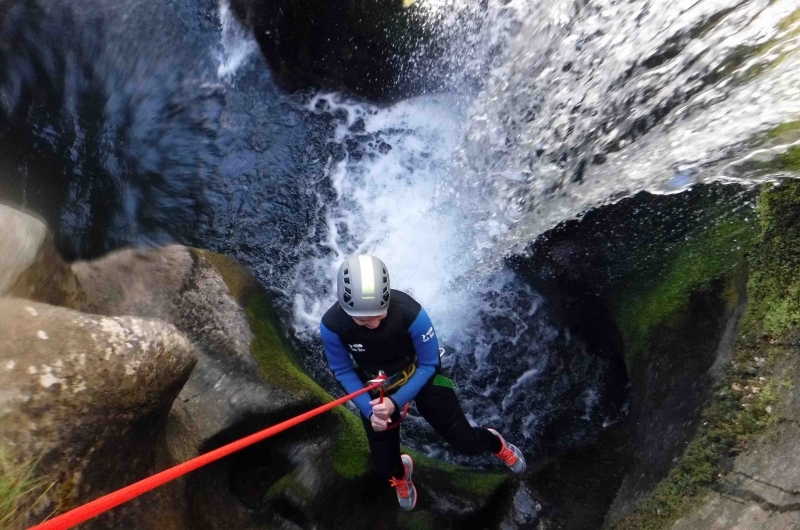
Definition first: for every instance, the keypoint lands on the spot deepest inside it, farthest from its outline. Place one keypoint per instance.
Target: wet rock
(225, 313)
(524, 512)
(88, 396)
(182, 286)
(246, 379)
(367, 47)
(654, 281)
(761, 491)
(30, 266)
(173, 284)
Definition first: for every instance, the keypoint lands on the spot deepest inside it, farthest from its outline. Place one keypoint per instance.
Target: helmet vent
(346, 272)
(385, 298)
(347, 290)
(347, 298)
(383, 303)
(347, 281)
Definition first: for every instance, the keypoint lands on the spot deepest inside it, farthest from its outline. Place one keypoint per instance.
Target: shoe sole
(410, 473)
(518, 453)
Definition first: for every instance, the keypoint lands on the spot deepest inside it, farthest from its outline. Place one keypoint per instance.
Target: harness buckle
(380, 378)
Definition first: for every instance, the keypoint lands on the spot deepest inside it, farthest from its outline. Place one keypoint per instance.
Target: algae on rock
(742, 426)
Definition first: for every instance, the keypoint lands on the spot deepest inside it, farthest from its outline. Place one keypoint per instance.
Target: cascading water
(598, 100)
(167, 126)
(384, 198)
(588, 103)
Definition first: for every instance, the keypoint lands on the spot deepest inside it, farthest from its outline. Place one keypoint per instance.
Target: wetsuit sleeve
(427, 346)
(342, 368)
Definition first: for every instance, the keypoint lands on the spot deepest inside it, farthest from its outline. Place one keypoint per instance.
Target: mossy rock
(356, 483)
(755, 391)
(657, 281)
(277, 362)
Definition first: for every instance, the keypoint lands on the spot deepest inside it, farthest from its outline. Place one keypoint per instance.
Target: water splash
(236, 44)
(553, 108)
(597, 101)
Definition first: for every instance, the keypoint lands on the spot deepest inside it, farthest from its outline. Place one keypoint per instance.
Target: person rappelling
(374, 331)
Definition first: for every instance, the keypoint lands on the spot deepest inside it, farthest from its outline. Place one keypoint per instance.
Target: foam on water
(569, 105)
(384, 204)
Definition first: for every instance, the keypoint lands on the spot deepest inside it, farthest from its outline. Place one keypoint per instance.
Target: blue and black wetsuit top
(405, 334)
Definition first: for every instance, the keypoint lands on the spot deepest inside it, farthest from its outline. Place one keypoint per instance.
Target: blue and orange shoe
(510, 454)
(406, 492)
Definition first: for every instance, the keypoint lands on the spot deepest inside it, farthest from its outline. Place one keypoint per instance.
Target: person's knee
(464, 441)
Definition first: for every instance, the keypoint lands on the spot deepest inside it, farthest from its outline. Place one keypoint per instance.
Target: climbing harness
(385, 384)
(388, 384)
(115, 498)
(397, 380)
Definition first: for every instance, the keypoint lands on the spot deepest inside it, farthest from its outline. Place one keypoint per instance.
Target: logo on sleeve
(356, 347)
(428, 335)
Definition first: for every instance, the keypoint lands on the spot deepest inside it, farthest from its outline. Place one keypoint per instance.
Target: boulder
(173, 284)
(658, 283)
(246, 379)
(182, 286)
(88, 396)
(368, 47)
(30, 266)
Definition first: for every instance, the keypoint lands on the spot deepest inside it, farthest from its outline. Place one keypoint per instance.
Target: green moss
(704, 258)
(416, 521)
(236, 277)
(457, 479)
(19, 488)
(784, 128)
(746, 401)
(789, 21)
(774, 273)
(278, 364)
(288, 483)
(275, 359)
(351, 456)
(350, 450)
(789, 161)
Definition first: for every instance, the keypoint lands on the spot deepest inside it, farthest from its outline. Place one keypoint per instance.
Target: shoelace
(507, 455)
(401, 485)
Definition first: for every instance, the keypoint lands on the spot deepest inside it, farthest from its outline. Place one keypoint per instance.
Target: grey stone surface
(525, 510)
(730, 513)
(769, 472)
(173, 284)
(30, 266)
(21, 240)
(86, 395)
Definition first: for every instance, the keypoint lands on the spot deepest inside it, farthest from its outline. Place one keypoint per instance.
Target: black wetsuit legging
(439, 406)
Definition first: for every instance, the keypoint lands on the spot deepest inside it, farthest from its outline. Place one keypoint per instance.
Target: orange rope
(115, 498)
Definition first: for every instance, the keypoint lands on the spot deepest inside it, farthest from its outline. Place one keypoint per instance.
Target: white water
(577, 80)
(387, 201)
(462, 186)
(236, 44)
(385, 205)
(443, 187)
